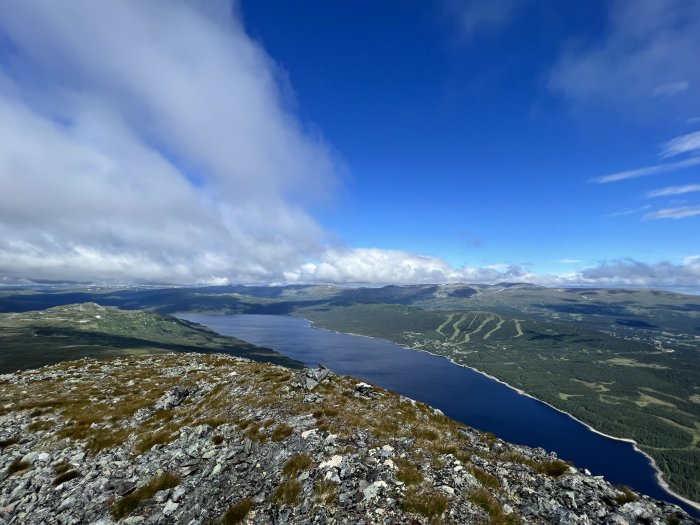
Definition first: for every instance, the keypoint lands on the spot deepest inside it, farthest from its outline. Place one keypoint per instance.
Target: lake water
(459, 392)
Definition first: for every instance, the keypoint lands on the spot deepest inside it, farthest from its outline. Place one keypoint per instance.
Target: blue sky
(367, 141)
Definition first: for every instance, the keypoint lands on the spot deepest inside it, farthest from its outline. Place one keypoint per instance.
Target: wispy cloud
(649, 170)
(482, 16)
(670, 89)
(629, 212)
(681, 212)
(684, 144)
(569, 261)
(648, 52)
(673, 190)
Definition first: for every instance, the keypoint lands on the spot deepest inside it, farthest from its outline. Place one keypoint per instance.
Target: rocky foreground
(205, 439)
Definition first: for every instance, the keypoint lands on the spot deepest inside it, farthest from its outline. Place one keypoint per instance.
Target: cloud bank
(150, 141)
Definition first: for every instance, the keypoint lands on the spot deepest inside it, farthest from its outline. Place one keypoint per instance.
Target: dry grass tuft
(128, 504)
(287, 493)
(237, 513)
(497, 516)
(282, 432)
(18, 466)
(552, 467)
(408, 473)
(66, 476)
(626, 495)
(428, 503)
(297, 464)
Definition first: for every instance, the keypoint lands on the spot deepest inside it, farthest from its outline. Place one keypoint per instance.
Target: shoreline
(658, 472)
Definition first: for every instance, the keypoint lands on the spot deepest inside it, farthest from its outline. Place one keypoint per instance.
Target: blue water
(459, 392)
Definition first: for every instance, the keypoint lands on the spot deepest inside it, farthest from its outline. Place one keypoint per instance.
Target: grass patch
(60, 468)
(486, 479)
(128, 504)
(40, 425)
(626, 495)
(282, 432)
(552, 467)
(297, 464)
(17, 466)
(287, 493)
(497, 516)
(326, 491)
(428, 503)
(103, 438)
(66, 476)
(237, 513)
(150, 441)
(253, 433)
(408, 473)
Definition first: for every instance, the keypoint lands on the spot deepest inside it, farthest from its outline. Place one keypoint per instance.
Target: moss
(66, 476)
(287, 493)
(17, 466)
(497, 516)
(282, 432)
(237, 513)
(428, 503)
(297, 464)
(128, 504)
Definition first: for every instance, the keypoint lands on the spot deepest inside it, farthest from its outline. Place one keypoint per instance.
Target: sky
(365, 142)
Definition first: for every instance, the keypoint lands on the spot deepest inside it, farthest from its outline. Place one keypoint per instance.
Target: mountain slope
(36, 338)
(191, 438)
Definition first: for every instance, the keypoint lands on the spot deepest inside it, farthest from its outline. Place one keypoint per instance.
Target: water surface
(461, 393)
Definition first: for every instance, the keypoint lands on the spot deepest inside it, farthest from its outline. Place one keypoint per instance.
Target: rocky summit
(205, 439)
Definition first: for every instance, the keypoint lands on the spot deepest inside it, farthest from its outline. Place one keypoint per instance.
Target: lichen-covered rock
(198, 439)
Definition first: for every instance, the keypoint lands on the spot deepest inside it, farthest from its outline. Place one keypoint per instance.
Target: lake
(461, 393)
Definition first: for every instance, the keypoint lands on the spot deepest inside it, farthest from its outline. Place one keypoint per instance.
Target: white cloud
(668, 90)
(374, 266)
(149, 141)
(649, 170)
(377, 266)
(684, 144)
(649, 49)
(681, 212)
(673, 190)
